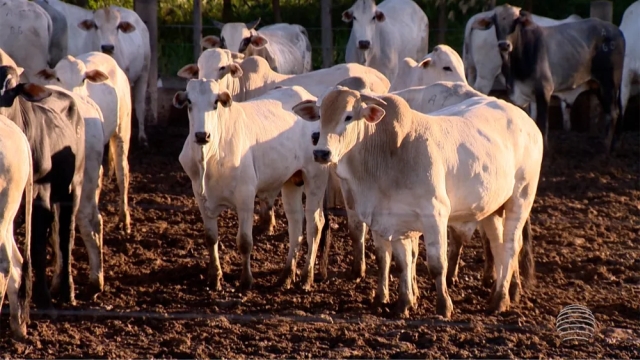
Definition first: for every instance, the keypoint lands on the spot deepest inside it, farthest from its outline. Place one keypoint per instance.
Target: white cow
(407, 173)
(16, 177)
(88, 216)
(253, 77)
(25, 33)
(383, 35)
(630, 27)
(118, 32)
(483, 64)
(109, 88)
(285, 46)
(441, 64)
(236, 151)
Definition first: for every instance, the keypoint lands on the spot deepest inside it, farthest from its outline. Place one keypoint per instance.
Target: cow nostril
(321, 155)
(364, 44)
(315, 137)
(202, 137)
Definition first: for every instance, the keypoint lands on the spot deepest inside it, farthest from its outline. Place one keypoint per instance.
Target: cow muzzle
(202, 138)
(321, 156)
(364, 44)
(505, 46)
(315, 137)
(108, 49)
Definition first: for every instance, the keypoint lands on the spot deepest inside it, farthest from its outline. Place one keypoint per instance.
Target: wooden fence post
(327, 33)
(197, 29)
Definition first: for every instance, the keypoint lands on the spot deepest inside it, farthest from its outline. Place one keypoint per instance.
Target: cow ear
(347, 16)
(218, 24)
(371, 113)
(259, 41)
(482, 23)
(180, 99)
(224, 99)
(525, 19)
(379, 16)
(87, 25)
(33, 92)
(425, 63)
(47, 74)
(19, 70)
(126, 27)
(190, 71)
(96, 76)
(307, 110)
(233, 69)
(210, 42)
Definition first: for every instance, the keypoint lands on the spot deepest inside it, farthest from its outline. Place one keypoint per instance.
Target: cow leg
(383, 257)
(543, 97)
(493, 228)
(292, 203)
(5, 267)
(315, 221)
(489, 273)
(566, 115)
(139, 100)
(90, 225)
(415, 252)
(17, 322)
(41, 221)
(210, 221)
(403, 253)
(435, 236)
(120, 148)
(357, 233)
(609, 100)
(68, 209)
(459, 236)
(54, 241)
(267, 218)
(244, 238)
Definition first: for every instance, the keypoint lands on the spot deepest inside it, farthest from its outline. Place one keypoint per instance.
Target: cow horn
(253, 24)
(218, 24)
(356, 83)
(372, 100)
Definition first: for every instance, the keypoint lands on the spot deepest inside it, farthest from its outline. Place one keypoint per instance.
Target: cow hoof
(402, 306)
(380, 301)
(95, 287)
(246, 282)
(444, 307)
(452, 281)
(356, 274)
(19, 332)
(487, 281)
(306, 280)
(215, 281)
(499, 303)
(514, 292)
(286, 278)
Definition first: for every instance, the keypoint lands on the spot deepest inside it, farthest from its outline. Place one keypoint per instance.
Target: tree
(277, 17)
(227, 11)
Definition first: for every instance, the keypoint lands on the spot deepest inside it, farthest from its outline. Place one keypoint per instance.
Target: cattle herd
(409, 140)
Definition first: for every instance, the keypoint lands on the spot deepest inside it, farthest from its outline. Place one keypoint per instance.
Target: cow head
(235, 37)
(507, 20)
(205, 100)
(212, 65)
(341, 114)
(106, 24)
(72, 74)
(442, 64)
(365, 16)
(9, 92)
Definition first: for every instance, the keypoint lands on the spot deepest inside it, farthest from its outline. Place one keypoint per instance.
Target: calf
(286, 47)
(55, 130)
(98, 76)
(16, 176)
(236, 151)
(538, 61)
(404, 173)
(442, 64)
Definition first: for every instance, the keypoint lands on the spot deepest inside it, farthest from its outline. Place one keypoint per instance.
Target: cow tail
(527, 262)
(24, 293)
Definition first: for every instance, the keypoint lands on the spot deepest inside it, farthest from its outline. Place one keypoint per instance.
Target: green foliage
(176, 34)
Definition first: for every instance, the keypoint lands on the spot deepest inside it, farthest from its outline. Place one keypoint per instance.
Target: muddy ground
(586, 223)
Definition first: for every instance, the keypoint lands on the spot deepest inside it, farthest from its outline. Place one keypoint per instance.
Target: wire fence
(175, 48)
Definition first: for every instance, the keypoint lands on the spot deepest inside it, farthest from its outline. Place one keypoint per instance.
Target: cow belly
(522, 93)
(479, 198)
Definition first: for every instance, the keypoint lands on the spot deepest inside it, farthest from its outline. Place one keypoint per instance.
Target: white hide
(16, 177)
(396, 29)
(25, 32)
(630, 27)
(252, 149)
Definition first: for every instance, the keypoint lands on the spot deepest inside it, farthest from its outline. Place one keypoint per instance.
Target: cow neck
(528, 46)
(244, 86)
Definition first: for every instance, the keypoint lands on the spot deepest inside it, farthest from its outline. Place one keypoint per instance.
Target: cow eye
(58, 79)
(223, 43)
(373, 18)
(348, 118)
(354, 18)
(447, 68)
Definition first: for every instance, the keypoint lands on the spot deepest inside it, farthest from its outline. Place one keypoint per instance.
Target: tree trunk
(227, 11)
(197, 29)
(277, 17)
(528, 5)
(492, 4)
(148, 12)
(81, 3)
(442, 22)
(327, 33)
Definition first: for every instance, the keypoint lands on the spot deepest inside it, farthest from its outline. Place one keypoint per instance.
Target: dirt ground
(156, 303)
